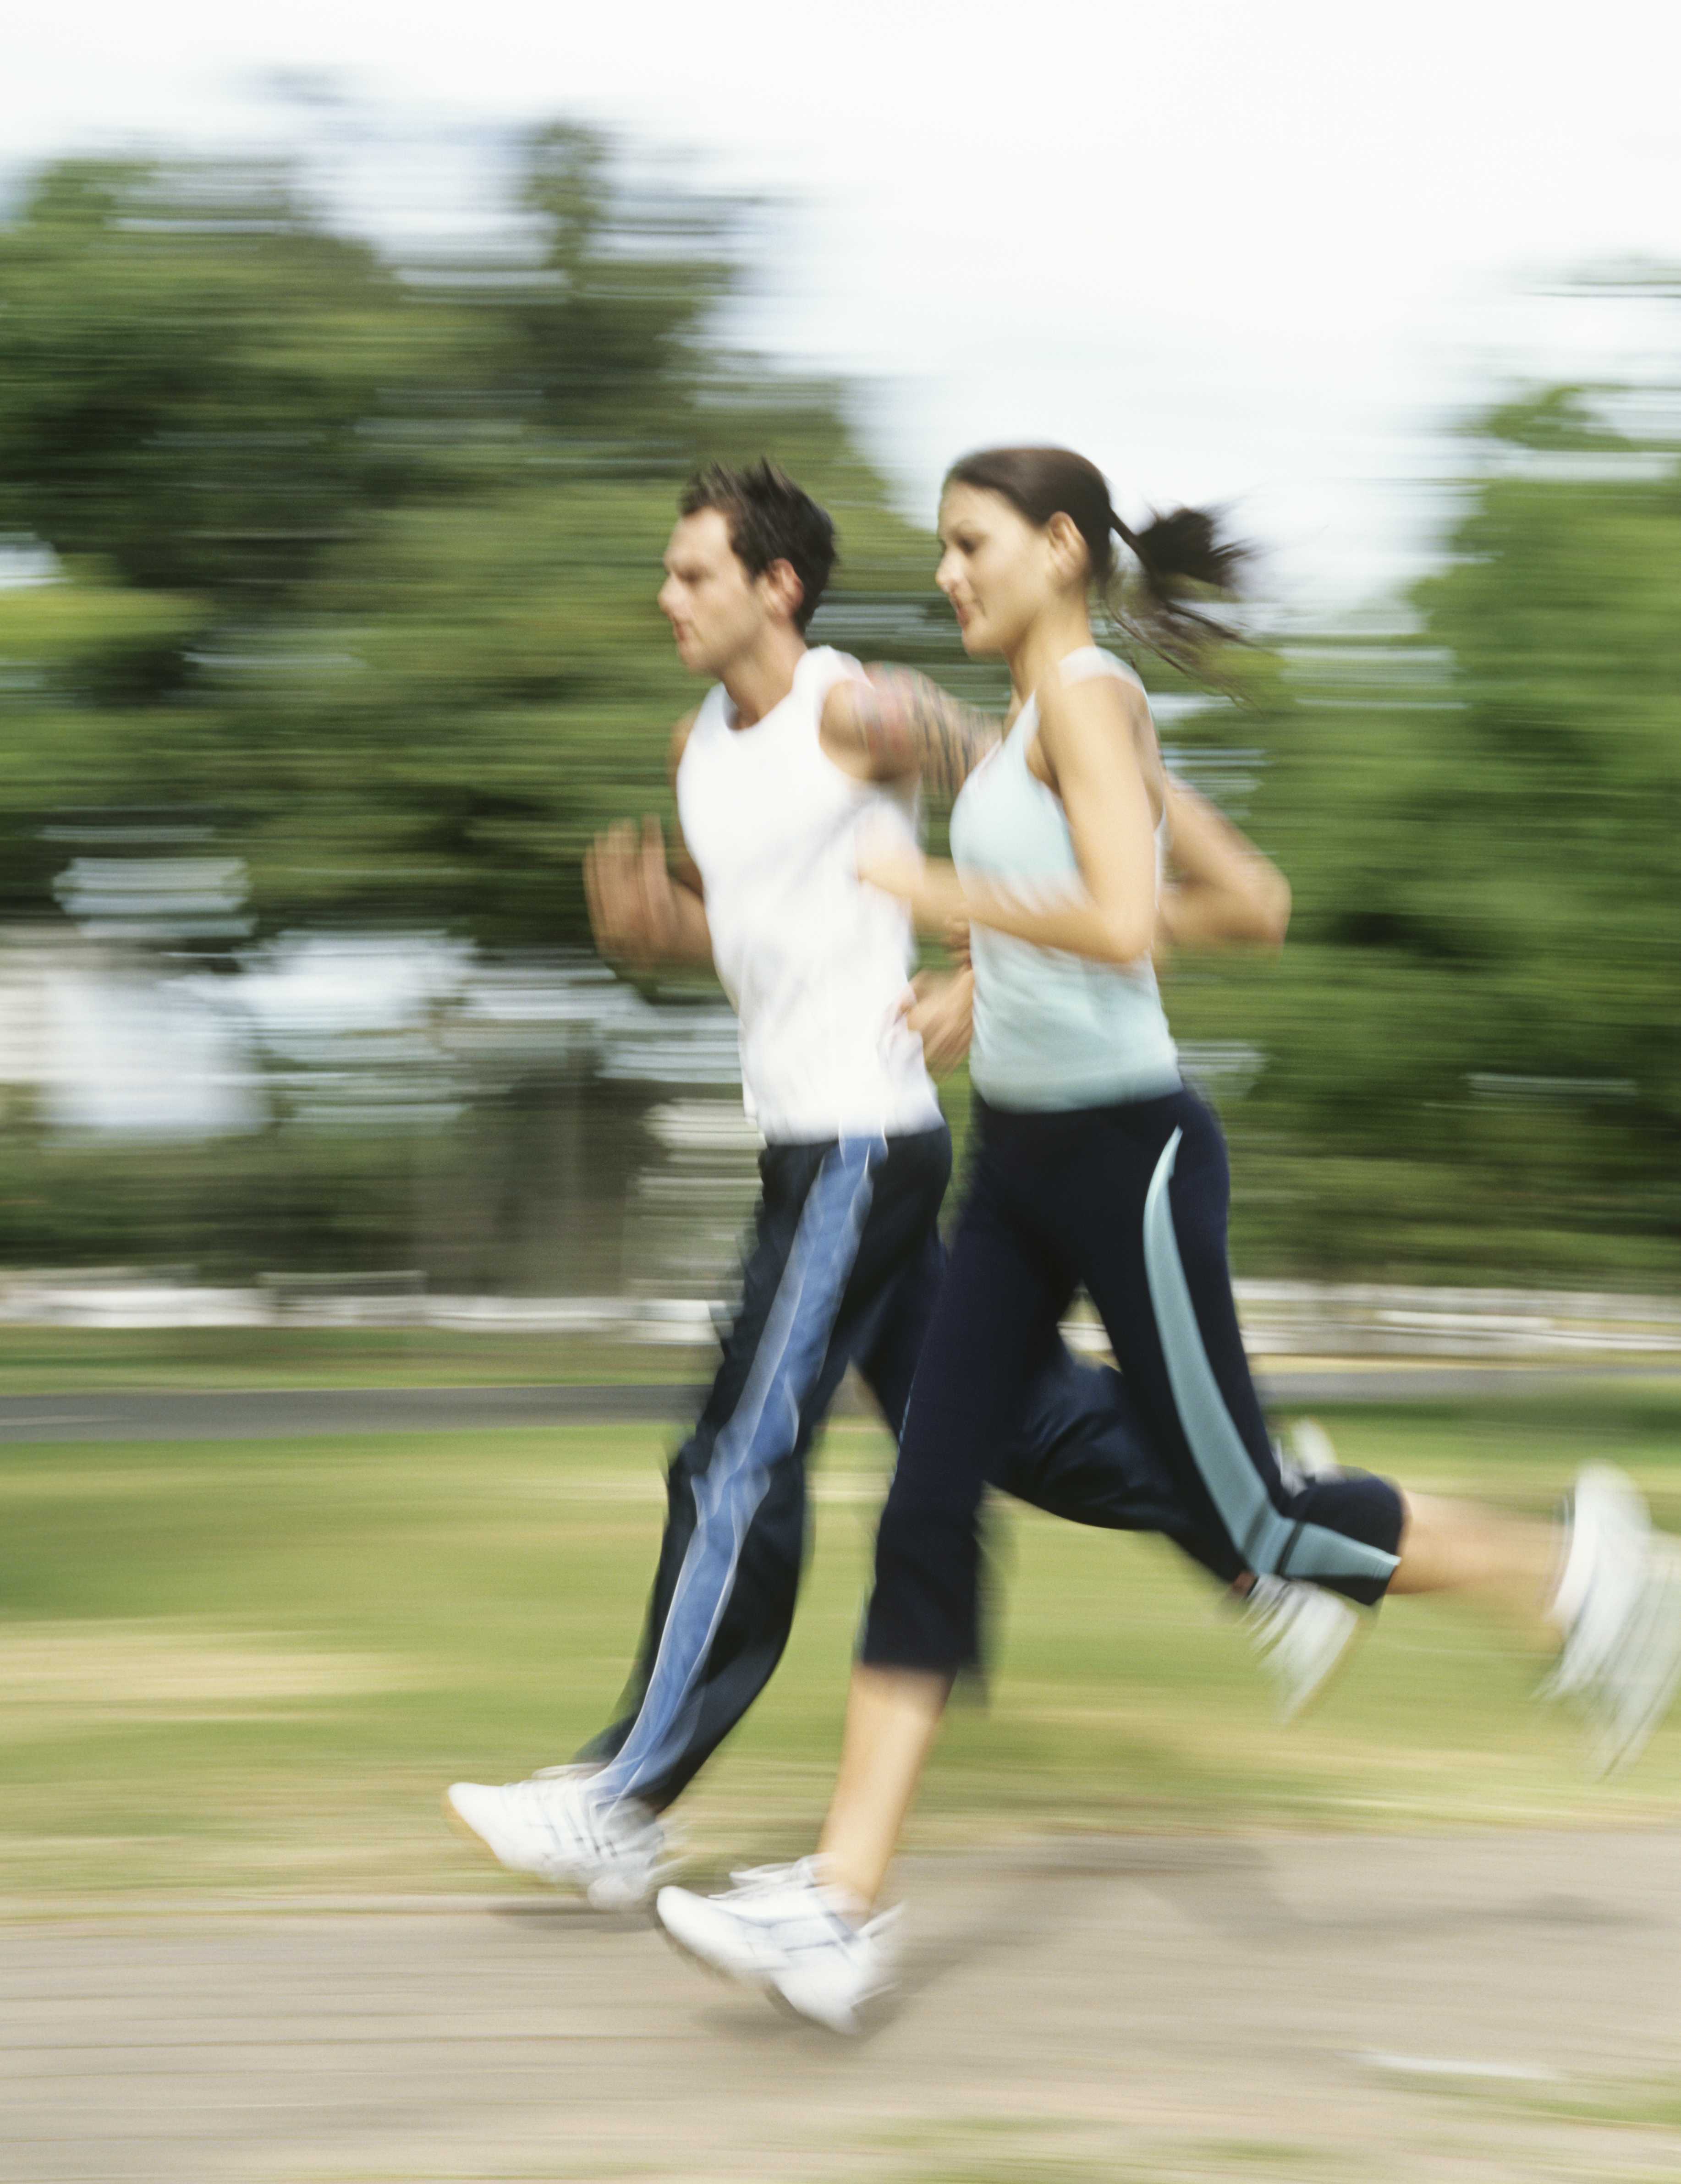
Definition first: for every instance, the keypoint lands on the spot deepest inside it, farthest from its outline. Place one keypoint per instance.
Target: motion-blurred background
(359, 1231)
(339, 432)
(349, 366)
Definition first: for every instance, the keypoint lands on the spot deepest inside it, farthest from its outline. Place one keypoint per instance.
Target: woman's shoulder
(1097, 700)
(1091, 663)
(1070, 691)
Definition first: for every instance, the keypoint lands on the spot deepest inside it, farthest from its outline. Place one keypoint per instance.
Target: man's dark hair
(769, 519)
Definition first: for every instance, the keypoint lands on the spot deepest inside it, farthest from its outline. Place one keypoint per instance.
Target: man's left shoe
(556, 1827)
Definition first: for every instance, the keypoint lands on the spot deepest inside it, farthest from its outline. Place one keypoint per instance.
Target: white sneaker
(555, 1827)
(782, 1930)
(1308, 1451)
(1300, 1634)
(1618, 1603)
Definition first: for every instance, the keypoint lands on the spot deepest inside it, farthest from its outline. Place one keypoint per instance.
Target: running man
(792, 758)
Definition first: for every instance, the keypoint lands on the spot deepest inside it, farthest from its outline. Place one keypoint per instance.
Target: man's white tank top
(814, 963)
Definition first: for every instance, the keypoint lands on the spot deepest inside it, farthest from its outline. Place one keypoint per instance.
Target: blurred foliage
(1472, 1041)
(356, 559)
(359, 558)
(194, 375)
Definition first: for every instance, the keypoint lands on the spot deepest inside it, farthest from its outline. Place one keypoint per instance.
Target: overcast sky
(1258, 250)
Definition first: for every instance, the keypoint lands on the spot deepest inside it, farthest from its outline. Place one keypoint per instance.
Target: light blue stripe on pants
(1273, 1541)
(760, 1430)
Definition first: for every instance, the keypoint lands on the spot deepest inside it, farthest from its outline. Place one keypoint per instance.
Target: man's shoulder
(679, 736)
(823, 668)
(833, 681)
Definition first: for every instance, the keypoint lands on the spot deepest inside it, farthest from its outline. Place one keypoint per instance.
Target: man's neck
(760, 681)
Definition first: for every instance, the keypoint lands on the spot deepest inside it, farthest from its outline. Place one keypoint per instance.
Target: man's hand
(940, 1008)
(638, 914)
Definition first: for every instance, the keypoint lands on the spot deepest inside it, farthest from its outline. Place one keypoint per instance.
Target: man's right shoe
(555, 1827)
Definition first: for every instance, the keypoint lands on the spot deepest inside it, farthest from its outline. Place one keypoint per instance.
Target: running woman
(1098, 1167)
(792, 757)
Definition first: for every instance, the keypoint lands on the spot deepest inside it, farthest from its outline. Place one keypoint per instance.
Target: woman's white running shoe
(555, 1826)
(1300, 1634)
(1618, 1604)
(785, 1931)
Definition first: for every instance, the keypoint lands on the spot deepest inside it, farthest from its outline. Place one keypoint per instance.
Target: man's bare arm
(899, 725)
(641, 913)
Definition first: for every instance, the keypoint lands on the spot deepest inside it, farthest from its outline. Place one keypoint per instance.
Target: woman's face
(997, 569)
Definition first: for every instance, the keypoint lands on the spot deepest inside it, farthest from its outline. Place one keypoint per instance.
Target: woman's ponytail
(1180, 559)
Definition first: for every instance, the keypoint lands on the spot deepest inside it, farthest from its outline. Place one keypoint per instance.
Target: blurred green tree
(361, 557)
(199, 382)
(1472, 1042)
(356, 559)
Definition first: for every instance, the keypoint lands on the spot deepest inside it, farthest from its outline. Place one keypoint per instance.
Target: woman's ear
(1069, 558)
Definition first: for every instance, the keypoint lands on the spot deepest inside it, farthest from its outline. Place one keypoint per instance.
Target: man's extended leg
(739, 1517)
(836, 1226)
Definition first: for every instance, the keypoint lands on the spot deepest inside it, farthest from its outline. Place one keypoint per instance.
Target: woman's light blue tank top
(1051, 1030)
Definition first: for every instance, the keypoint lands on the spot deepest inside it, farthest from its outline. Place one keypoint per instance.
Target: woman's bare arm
(1224, 890)
(1090, 739)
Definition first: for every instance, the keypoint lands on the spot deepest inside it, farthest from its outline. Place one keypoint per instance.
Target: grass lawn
(58, 1359)
(254, 1666)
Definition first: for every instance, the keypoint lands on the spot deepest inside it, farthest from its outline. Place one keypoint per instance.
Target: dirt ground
(1468, 2008)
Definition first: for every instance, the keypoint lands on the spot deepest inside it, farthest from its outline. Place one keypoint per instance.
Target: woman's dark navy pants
(1130, 1203)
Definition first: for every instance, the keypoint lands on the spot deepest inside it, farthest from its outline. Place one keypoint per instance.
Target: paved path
(1467, 2009)
(286, 1413)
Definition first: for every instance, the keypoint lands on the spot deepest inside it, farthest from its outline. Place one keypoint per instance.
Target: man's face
(717, 611)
